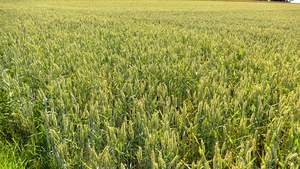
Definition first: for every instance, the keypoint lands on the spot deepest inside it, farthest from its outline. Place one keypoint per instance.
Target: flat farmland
(149, 84)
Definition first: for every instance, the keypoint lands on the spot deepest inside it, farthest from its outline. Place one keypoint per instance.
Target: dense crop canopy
(152, 84)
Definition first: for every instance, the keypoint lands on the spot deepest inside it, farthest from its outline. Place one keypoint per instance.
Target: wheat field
(149, 84)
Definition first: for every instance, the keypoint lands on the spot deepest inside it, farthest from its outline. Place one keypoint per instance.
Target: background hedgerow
(150, 84)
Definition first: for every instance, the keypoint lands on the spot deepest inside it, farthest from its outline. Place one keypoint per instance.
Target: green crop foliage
(149, 84)
(10, 156)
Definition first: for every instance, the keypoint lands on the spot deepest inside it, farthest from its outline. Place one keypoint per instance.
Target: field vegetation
(149, 84)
